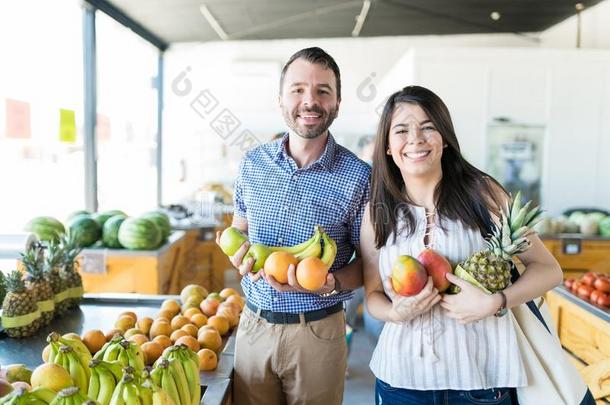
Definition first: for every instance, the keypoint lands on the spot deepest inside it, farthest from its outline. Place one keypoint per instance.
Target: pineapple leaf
(533, 213)
(516, 205)
(519, 220)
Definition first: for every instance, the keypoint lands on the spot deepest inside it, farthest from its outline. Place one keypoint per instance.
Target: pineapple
(19, 302)
(54, 260)
(491, 268)
(38, 283)
(71, 278)
(2, 286)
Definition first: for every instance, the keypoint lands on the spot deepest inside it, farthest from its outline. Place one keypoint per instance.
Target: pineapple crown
(54, 256)
(14, 282)
(33, 262)
(516, 224)
(70, 249)
(2, 286)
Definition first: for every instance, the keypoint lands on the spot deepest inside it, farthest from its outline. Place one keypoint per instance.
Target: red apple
(584, 291)
(568, 283)
(408, 276)
(603, 300)
(437, 266)
(588, 278)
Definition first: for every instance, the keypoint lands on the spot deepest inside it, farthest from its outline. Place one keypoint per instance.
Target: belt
(286, 317)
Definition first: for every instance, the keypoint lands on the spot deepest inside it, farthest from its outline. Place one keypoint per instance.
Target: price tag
(571, 246)
(94, 263)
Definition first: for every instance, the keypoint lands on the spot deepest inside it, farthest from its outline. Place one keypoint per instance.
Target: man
(290, 345)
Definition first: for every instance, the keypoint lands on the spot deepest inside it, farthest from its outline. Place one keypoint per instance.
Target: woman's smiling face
(414, 142)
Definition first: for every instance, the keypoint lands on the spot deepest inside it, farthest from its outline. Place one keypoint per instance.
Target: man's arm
(350, 275)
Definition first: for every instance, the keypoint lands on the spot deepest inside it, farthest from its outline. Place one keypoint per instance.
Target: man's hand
(293, 284)
(470, 304)
(237, 260)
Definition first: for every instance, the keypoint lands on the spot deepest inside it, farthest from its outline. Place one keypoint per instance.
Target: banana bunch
(169, 375)
(189, 361)
(69, 396)
(67, 357)
(55, 340)
(320, 245)
(159, 397)
(127, 353)
(104, 378)
(37, 396)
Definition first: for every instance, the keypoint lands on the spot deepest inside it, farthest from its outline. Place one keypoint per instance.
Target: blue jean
(388, 395)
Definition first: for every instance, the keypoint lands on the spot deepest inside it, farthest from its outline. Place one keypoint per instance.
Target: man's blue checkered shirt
(282, 204)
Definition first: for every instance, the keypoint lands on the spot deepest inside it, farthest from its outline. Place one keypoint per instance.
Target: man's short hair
(318, 56)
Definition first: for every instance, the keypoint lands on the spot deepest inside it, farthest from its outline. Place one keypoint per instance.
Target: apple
(17, 372)
(603, 300)
(408, 276)
(602, 284)
(231, 240)
(437, 266)
(259, 253)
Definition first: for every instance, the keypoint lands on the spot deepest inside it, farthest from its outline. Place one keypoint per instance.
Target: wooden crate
(125, 271)
(593, 255)
(587, 337)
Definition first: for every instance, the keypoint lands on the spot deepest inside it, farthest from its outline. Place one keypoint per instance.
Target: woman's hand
(470, 304)
(406, 308)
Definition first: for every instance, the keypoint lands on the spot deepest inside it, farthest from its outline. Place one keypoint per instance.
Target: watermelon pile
(111, 229)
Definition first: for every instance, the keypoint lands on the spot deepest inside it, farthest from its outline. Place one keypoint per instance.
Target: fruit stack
(312, 258)
(409, 275)
(112, 229)
(592, 287)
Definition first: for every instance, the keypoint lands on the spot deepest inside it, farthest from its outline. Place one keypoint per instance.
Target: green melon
(45, 228)
(161, 220)
(110, 231)
(102, 217)
(85, 230)
(77, 213)
(139, 233)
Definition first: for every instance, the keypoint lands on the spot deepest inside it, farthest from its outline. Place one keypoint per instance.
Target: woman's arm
(395, 308)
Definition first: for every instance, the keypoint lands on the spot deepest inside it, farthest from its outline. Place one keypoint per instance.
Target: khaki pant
(290, 364)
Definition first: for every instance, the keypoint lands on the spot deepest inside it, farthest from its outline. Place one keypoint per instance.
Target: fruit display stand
(99, 311)
(584, 331)
(578, 254)
(134, 271)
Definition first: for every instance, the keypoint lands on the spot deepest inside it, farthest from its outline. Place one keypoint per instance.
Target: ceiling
(183, 21)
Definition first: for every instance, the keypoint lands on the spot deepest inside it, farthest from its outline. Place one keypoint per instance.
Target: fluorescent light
(213, 22)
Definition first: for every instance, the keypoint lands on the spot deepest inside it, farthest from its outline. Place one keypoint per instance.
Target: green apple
(231, 240)
(215, 296)
(259, 253)
(18, 372)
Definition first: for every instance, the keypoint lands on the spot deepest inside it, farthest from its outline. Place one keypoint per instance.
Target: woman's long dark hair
(464, 193)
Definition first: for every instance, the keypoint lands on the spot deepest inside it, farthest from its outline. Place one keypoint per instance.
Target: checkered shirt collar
(326, 160)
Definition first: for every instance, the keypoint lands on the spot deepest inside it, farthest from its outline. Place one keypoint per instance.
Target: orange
(207, 360)
(113, 332)
(144, 324)
(177, 334)
(311, 273)
(172, 306)
(220, 323)
(139, 339)
(164, 314)
(125, 322)
(189, 342)
(179, 321)
(129, 313)
(94, 340)
(152, 351)
(277, 265)
(160, 328)
(210, 339)
(199, 320)
(163, 341)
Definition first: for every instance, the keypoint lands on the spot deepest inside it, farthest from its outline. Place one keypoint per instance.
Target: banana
(183, 356)
(166, 382)
(77, 371)
(155, 376)
(130, 393)
(107, 386)
(43, 394)
(100, 353)
(177, 373)
(145, 392)
(293, 250)
(117, 395)
(78, 346)
(330, 250)
(69, 396)
(94, 382)
(115, 368)
(134, 358)
(313, 250)
(161, 397)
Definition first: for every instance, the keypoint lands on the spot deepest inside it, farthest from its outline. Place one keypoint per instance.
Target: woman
(439, 348)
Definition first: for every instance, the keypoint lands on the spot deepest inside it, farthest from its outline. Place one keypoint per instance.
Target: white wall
(479, 76)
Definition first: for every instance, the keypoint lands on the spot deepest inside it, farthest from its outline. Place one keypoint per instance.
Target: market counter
(584, 331)
(99, 311)
(578, 254)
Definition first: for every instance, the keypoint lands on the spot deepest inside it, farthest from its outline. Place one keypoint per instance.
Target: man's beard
(309, 131)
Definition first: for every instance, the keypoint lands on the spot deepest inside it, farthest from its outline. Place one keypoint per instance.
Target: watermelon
(102, 217)
(161, 220)
(76, 213)
(604, 227)
(85, 230)
(139, 233)
(110, 231)
(45, 228)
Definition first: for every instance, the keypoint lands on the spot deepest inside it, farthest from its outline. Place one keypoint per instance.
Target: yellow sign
(67, 126)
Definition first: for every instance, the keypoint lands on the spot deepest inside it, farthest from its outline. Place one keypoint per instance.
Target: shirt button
(276, 299)
(280, 240)
(286, 207)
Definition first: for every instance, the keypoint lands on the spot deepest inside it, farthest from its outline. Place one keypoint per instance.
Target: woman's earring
(388, 152)
(444, 146)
